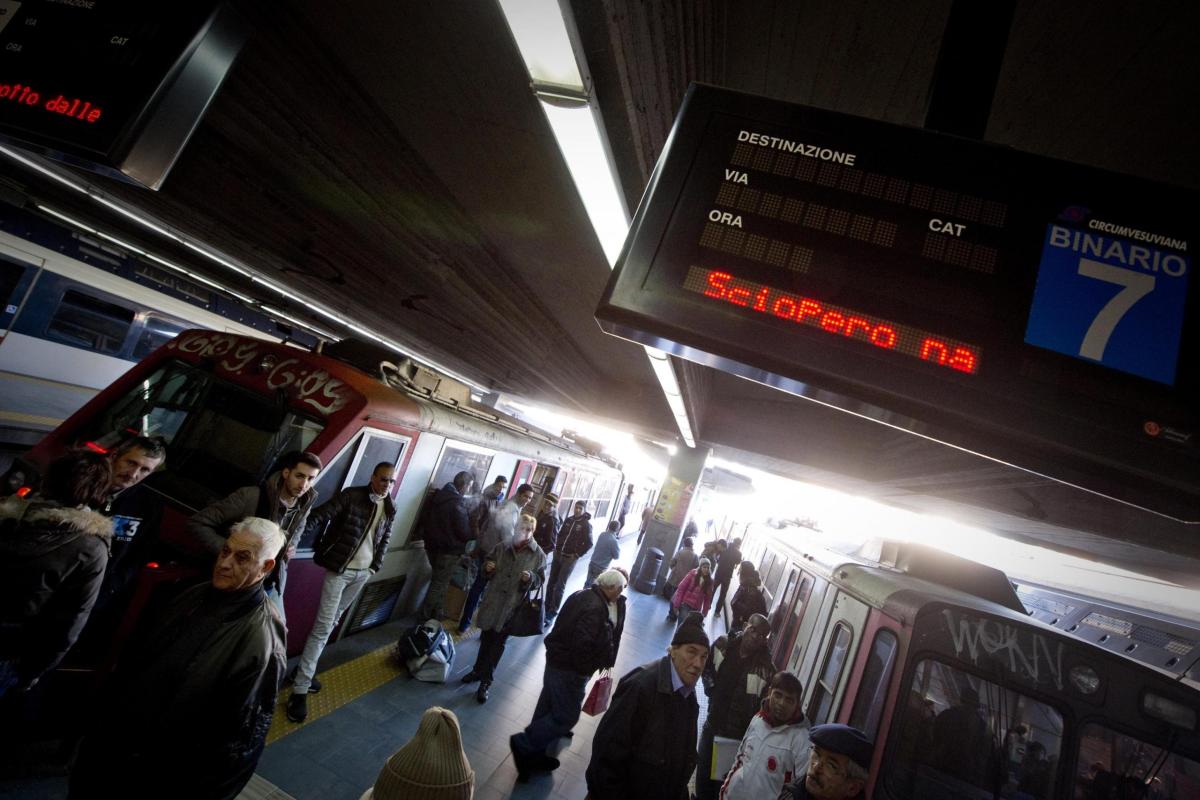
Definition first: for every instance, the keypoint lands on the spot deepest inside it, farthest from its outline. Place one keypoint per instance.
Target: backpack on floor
(434, 666)
(420, 640)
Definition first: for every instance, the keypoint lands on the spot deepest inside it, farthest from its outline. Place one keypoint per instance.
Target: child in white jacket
(775, 748)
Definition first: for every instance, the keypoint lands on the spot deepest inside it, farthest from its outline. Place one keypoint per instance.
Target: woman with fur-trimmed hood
(53, 552)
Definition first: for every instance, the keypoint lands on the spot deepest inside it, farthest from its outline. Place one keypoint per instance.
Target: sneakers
(470, 677)
(297, 707)
(482, 694)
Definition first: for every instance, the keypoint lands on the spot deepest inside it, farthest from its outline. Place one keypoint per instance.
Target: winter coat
(192, 700)
(209, 527)
(738, 691)
(575, 535)
(730, 560)
(348, 515)
(505, 590)
(746, 601)
(584, 638)
(691, 593)
(607, 548)
(546, 535)
(500, 527)
(800, 792)
(684, 561)
(645, 746)
(767, 760)
(447, 528)
(52, 561)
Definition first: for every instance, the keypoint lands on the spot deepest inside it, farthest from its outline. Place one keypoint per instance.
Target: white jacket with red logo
(767, 760)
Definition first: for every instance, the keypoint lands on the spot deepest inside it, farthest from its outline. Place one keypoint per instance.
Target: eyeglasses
(826, 763)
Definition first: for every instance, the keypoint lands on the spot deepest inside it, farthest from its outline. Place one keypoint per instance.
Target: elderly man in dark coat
(190, 704)
(447, 530)
(644, 747)
(586, 638)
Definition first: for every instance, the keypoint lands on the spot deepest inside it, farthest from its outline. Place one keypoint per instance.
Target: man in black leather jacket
(351, 550)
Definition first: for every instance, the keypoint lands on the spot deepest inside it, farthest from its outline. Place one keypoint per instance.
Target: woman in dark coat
(53, 552)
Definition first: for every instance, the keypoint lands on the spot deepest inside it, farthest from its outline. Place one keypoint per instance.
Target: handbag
(598, 697)
(529, 617)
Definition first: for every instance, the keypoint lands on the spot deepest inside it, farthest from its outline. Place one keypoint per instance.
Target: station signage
(1029, 310)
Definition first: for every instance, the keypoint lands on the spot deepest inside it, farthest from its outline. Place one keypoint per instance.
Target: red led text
(836, 321)
(73, 107)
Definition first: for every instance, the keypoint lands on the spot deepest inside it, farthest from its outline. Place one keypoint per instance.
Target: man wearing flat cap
(644, 747)
(838, 766)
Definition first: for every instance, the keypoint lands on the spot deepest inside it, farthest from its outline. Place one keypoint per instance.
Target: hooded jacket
(575, 535)
(447, 528)
(692, 593)
(52, 561)
(768, 759)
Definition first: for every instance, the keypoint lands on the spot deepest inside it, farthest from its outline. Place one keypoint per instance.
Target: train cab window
(872, 690)
(1112, 764)
(820, 707)
(220, 437)
(960, 736)
(91, 323)
(156, 332)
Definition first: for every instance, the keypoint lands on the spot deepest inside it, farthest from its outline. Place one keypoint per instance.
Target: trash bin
(647, 575)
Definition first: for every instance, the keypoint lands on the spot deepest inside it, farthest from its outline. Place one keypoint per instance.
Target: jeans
(443, 565)
(338, 592)
(594, 571)
(277, 600)
(560, 573)
(491, 650)
(474, 595)
(558, 709)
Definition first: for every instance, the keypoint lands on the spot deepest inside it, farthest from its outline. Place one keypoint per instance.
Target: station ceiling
(391, 159)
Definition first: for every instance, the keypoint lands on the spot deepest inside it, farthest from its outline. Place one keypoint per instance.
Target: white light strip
(135, 217)
(67, 219)
(319, 331)
(33, 165)
(661, 364)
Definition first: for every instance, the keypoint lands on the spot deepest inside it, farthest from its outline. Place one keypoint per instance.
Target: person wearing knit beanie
(432, 766)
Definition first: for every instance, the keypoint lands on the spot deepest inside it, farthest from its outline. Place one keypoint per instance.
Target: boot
(482, 694)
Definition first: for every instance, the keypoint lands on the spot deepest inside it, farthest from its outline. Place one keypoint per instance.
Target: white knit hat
(432, 766)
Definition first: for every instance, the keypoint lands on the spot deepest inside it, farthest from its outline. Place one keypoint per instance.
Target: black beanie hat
(691, 631)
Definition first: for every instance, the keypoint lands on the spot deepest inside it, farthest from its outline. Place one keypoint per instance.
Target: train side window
(779, 614)
(793, 614)
(10, 276)
(959, 735)
(91, 323)
(1112, 764)
(156, 331)
(820, 707)
(872, 691)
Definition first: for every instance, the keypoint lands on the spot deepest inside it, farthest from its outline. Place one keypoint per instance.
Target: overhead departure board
(1029, 310)
(116, 86)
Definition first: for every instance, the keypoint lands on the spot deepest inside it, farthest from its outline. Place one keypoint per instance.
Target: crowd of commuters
(194, 689)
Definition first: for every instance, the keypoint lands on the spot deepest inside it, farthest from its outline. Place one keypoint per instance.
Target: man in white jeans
(351, 550)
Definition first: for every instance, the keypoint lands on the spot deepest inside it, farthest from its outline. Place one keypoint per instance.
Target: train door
(804, 647)
(543, 481)
(785, 621)
(522, 473)
(847, 620)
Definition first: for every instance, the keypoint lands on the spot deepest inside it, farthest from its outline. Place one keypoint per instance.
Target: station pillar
(679, 489)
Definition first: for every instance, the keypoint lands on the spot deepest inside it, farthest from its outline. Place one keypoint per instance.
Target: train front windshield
(220, 435)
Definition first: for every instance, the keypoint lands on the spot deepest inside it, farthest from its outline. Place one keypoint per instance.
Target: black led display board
(1029, 310)
(115, 86)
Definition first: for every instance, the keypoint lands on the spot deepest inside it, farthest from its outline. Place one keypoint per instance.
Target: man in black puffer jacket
(447, 530)
(585, 639)
(351, 551)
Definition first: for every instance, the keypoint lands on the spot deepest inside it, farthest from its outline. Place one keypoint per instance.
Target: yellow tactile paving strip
(348, 682)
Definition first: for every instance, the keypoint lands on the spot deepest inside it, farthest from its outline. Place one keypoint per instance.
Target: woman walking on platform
(695, 592)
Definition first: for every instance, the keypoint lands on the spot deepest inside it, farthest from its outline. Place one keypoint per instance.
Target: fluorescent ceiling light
(319, 331)
(542, 38)
(66, 219)
(49, 173)
(578, 137)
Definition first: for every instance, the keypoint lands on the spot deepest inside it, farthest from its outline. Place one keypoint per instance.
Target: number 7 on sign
(1136, 286)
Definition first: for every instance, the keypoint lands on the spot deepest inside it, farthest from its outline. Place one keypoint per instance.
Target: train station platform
(369, 707)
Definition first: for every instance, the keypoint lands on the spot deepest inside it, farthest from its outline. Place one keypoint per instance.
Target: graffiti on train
(311, 386)
(1022, 652)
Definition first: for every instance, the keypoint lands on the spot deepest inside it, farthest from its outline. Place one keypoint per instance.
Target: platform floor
(369, 708)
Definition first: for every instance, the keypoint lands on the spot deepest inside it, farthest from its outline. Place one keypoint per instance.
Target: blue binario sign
(1117, 300)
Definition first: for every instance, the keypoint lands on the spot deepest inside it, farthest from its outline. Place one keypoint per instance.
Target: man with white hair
(585, 638)
(191, 702)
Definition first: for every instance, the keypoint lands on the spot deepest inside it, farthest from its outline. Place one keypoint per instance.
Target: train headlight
(268, 362)
(1084, 679)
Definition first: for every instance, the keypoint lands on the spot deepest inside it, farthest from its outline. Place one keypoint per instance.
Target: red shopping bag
(597, 699)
